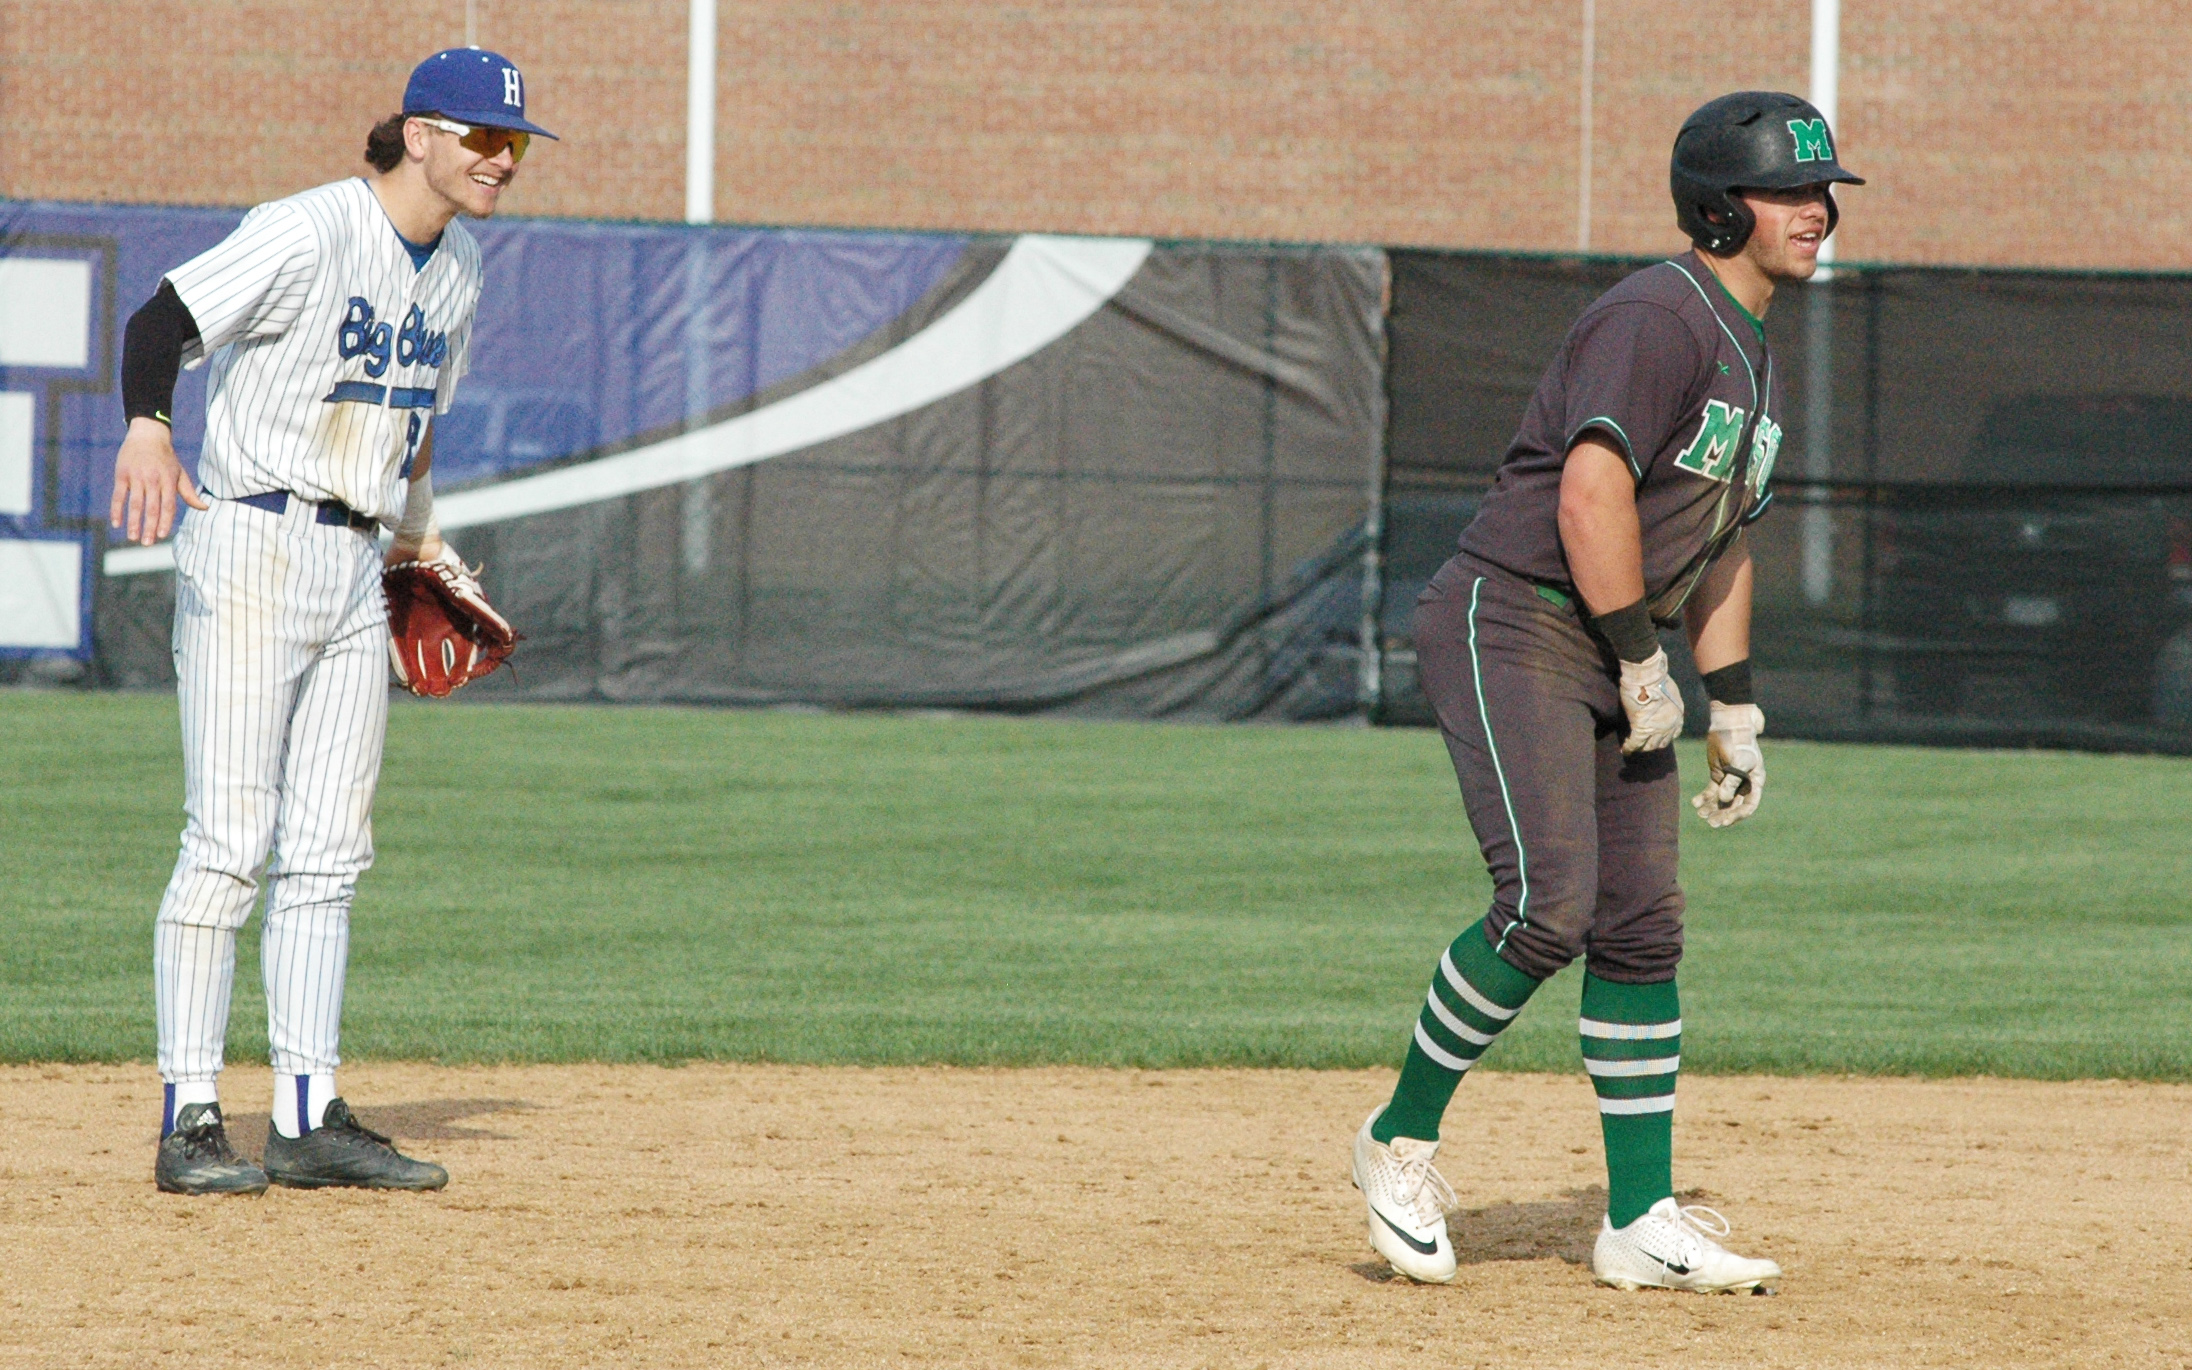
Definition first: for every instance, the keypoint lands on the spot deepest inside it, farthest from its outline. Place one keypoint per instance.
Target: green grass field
(663, 884)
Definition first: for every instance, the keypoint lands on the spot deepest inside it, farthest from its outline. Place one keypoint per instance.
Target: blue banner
(590, 337)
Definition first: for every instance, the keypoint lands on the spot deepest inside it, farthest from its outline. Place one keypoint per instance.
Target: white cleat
(1409, 1201)
(1672, 1247)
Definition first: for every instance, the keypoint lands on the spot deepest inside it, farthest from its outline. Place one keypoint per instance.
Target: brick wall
(2048, 132)
(238, 101)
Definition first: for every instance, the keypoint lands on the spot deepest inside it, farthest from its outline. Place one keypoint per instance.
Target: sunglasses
(487, 142)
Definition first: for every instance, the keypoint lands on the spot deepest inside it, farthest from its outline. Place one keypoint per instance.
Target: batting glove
(1654, 705)
(1734, 766)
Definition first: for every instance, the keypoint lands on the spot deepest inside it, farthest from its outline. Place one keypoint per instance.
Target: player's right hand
(148, 479)
(1653, 704)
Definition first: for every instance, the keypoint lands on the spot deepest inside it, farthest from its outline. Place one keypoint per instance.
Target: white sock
(300, 1102)
(181, 1094)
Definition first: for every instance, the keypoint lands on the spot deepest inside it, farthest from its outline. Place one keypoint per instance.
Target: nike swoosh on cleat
(1429, 1248)
(1672, 1268)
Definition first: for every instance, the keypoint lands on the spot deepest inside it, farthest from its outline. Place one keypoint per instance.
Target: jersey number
(412, 432)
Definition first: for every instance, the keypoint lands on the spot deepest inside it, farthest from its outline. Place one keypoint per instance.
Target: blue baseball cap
(471, 86)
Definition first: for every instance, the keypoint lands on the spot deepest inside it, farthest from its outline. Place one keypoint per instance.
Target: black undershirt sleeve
(1731, 684)
(152, 355)
(1629, 631)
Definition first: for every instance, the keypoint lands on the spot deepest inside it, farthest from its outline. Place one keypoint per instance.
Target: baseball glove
(442, 632)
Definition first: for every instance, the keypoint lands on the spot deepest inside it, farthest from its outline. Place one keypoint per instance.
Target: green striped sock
(1632, 1045)
(1473, 996)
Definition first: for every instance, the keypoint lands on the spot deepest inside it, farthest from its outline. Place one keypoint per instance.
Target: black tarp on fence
(1161, 513)
(1199, 497)
(1983, 532)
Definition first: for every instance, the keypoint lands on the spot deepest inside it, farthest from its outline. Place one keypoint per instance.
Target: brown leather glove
(442, 632)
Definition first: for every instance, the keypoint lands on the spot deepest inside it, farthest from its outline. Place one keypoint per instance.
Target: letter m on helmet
(1811, 140)
(1712, 452)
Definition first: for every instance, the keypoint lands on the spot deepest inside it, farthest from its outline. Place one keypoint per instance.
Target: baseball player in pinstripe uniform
(336, 324)
(1619, 510)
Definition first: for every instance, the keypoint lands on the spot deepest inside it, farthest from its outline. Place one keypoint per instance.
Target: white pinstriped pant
(281, 661)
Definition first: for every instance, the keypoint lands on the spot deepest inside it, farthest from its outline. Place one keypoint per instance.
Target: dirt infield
(786, 1216)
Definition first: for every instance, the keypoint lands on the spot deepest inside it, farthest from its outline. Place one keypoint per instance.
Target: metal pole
(1816, 531)
(1267, 502)
(1817, 525)
(697, 516)
(1826, 80)
(696, 508)
(1867, 584)
(1583, 150)
(700, 114)
(1370, 632)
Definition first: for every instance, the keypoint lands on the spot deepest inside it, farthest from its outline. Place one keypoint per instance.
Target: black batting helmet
(1755, 140)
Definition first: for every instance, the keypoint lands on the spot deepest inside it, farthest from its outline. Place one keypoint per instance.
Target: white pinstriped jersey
(331, 350)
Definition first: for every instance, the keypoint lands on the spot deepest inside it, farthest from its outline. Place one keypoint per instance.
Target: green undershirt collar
(1758, 325)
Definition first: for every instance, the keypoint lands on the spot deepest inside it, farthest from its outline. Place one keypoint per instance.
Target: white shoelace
(1417, 1174)
(1694, 1231)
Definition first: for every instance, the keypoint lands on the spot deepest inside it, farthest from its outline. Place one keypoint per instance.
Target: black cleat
(342, 1152)
(196, 1158)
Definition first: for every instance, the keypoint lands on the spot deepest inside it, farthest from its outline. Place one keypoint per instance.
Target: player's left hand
(1734, 766)
(442, 632)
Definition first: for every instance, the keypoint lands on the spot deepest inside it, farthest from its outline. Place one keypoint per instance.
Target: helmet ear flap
(1735, 223)
(1834, 215)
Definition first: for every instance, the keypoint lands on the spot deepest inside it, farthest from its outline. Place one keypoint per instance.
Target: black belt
(330, 510)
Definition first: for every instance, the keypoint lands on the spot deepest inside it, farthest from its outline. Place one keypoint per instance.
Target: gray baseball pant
(1581, 841)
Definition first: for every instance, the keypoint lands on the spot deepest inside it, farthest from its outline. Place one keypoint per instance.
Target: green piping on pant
(1522, 857)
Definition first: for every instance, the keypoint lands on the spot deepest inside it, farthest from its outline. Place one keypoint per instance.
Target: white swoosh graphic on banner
(1043, 289)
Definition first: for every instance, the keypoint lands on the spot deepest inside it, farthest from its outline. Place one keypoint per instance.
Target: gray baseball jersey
(1671, 370)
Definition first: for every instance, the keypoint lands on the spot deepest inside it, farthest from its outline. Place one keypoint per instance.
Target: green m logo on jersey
(1811, 140)
(1711, 453)
(1765, 446)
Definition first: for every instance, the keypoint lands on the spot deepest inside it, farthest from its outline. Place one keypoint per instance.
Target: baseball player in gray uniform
(336, 324)
(1619, 510)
